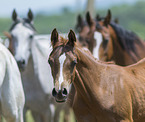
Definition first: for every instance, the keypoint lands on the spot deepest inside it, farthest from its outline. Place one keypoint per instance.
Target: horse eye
(74, 62)
(31, 36)
(87, 40)
(50, 61)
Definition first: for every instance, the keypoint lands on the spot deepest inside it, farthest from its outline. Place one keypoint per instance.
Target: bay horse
(31, 53)
(82, 25)
(87, 36)
(119, 45)
(12, 97)
(104, 92)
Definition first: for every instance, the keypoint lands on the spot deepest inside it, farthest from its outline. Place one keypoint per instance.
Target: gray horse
(31, 53)
(11, 90)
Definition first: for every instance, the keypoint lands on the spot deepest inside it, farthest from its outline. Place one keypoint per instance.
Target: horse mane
(126, 39)
(140, 63)
(25, 21)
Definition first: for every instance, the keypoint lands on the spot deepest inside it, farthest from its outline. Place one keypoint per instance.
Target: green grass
(29, 117)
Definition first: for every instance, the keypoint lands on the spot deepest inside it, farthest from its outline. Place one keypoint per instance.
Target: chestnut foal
(104, 92)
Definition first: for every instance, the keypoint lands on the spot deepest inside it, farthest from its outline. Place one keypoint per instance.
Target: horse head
(63, 62)
(86, 35)
(82, 28)
(103, 26)
(21, 36)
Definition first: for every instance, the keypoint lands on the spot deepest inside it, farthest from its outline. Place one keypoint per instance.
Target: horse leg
(52, 111)
(59, 108)
(24, 113)
(20, 115)
(9, 109)
(47, 116)
(66, 113)
(43, 117)
(36, 116)
(57, 112)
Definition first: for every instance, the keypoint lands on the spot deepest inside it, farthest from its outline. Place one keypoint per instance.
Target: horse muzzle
(21, 65)
(60, 95)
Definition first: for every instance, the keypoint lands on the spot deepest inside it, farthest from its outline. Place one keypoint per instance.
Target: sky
(50, 6)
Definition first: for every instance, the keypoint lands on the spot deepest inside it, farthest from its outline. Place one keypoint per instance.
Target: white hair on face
(99, 39)
(61, 61)
(22, 34)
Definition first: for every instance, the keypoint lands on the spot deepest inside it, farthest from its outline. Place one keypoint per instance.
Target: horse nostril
(54, 92)
(23, 61)
(64, 91)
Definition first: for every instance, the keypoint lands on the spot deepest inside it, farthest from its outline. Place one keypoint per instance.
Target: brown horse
(104, 92)
(89, 36)
(119, 45)
(84, 33)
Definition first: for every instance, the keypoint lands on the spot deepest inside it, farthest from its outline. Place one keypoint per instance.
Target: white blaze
(99, 39)
(61, 61)
(22, 34)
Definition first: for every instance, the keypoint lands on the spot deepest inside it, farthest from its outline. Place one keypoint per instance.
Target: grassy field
(29, 117)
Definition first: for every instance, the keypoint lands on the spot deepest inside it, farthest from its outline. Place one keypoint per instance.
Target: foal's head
(63, 63)
(21, 36)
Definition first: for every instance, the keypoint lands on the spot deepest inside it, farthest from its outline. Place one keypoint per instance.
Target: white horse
(11, 91)
(31, 53)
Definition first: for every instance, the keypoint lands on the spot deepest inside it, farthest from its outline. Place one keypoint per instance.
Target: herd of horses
(100, 73)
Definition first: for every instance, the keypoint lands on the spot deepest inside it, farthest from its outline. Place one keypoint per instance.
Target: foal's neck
(87, 75)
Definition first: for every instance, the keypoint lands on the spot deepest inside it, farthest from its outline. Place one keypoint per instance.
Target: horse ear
(80, 20)
(54, 37)
(107, 18)
(72, 38)
(79, 23)
(97, 17)
(14, 15)
(116, 20)
(88, 18)
(30, 15)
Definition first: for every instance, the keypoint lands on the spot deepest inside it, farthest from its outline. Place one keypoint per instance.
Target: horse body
(119, 45)
(104, 92)
(114, 43)
(32, 61)
(115, 92)
(11, 91)
(31, 53)
(36, 85)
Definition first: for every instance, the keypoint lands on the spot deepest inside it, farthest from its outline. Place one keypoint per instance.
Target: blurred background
(49, 14)
(62, 14)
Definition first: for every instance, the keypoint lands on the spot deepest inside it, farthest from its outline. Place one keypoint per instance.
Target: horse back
(136, 78)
